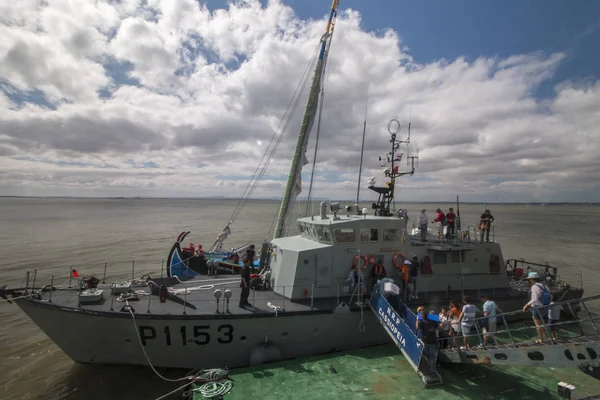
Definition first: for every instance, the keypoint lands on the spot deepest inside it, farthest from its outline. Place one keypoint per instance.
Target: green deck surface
(382, 373)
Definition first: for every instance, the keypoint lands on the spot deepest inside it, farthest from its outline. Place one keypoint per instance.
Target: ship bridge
(514, 344)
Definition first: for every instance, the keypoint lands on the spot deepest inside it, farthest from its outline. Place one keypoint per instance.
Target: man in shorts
(489, 310)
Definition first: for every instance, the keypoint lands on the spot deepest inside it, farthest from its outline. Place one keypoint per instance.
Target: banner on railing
(403, 336)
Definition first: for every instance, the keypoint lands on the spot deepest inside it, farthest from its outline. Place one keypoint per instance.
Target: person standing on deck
(450, 219)
(489, 310)
(540, 299)
(250, 254)
(245, 285)
(485, 224)
(467, 320)
(554, 315)
(453, 315)
(414, 274)
(430, 340)
(423, 225)
(440, 220)
(405, 277)
(377, 273)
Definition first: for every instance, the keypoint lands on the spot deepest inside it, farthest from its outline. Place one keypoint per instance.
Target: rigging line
(264, 170)
(274, 148)
(301, 83)
(322, 82)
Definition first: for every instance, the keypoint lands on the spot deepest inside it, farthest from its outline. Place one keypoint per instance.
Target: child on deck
(554, 316)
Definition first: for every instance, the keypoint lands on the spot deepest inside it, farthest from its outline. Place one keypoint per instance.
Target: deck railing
(513, 336)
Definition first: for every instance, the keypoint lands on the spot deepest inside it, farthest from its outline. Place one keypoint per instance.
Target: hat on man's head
(533, 275)
(406, 262)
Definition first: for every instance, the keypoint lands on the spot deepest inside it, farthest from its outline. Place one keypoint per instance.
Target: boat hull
(191, 342)
(206, 341)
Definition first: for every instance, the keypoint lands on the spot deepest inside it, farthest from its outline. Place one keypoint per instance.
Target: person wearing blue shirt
(489, 310)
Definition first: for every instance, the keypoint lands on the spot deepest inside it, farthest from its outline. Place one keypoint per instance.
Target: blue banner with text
(401, 333)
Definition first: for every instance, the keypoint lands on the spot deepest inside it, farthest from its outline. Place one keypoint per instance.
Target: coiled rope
(216, 383)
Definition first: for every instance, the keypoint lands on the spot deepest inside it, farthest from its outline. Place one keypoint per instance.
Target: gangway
(513, 345)
(517, 345)
(400, 324)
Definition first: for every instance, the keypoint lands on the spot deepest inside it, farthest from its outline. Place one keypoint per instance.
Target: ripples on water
(53, 234)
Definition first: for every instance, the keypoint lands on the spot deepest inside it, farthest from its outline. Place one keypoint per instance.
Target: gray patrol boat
(305, 298)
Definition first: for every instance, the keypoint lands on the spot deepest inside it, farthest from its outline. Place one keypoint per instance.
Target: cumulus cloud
(163, 98)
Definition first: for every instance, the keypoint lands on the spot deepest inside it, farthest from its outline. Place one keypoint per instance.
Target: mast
(362, 150)
(294, 183)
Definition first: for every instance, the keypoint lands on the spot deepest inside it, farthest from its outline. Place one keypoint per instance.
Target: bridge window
(323, 234)
(344, 235)
(301, 229)
(455, 256)
(439, 257)
(369, 235)
(391, 235)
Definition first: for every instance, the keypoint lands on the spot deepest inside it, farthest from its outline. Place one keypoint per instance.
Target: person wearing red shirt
(440, 223)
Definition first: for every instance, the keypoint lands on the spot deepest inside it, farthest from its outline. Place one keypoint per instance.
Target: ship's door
(323, 265)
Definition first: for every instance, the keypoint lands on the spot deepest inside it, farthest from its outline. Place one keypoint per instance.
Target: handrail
(503, 317)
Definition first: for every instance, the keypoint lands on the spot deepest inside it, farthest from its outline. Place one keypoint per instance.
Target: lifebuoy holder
(361, 257)
(395, 259)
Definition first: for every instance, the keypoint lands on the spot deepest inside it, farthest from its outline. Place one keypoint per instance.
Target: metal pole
(590, 317)
(312, 295)
(283, 308)
(508, 330)
(184, 300)
(34, 277)
(104, 276)
(149, 300)
(162, 266)
(27, 282)
(51, 289)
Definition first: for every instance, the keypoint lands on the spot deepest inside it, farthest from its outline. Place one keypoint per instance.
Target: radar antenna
(390, 164)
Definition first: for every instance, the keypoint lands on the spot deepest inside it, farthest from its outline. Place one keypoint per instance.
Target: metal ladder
(517, 345)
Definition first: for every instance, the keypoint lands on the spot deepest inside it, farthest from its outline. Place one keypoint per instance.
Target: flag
(399, 157)
(75, 273)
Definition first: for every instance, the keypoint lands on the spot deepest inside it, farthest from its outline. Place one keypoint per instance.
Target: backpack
(546, 297)
(444, 220)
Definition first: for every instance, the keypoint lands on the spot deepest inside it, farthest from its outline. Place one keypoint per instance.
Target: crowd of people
(458, 325)
(449, 220)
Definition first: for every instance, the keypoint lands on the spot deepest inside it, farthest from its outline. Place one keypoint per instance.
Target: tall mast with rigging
(294, 182)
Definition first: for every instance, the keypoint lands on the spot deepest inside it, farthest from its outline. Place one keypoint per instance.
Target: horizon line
(301, 199)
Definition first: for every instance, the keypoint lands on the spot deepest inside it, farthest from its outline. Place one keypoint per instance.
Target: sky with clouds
(181, 98)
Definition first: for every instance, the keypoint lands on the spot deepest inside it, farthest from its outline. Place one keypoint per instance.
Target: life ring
(395, 259)
(362, 257)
